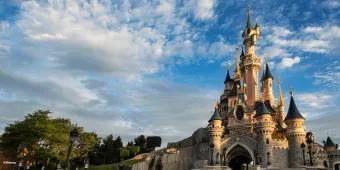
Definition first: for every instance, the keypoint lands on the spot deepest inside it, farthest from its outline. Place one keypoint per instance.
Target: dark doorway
(237, 161)
(337, 166)
(237, 157)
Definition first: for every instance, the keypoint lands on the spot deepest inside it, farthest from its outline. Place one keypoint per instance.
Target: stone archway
(337, 166)
(237, 156)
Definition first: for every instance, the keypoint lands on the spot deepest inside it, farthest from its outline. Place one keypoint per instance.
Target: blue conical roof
(293, 111)
(329, 142)
(262, 109)
(266, 73)
(215, 116)
(227, 78)
(249, 25)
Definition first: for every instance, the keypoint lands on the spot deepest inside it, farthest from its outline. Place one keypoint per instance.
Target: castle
(248, 129)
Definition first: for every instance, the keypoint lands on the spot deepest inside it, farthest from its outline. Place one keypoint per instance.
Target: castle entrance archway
(238, 156)
(337, 166)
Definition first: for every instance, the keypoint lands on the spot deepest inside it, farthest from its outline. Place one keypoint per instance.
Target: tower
(329, 145)
(264, 128)
(267, 89)
(250, 62)
(216, 132)
(295, 133)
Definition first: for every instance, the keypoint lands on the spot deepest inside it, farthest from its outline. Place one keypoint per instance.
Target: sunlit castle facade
(248, 129)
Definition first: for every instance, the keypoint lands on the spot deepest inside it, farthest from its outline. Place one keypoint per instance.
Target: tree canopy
(45, 138)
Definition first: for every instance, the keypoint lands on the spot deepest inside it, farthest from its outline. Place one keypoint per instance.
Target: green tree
(124, 153)
(134, 150)
(152, 142)
(141, 141)
(129, 143)
(45, 139)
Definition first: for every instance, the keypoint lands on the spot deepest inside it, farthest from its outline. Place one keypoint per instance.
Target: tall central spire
(250, 64)
(249, 25)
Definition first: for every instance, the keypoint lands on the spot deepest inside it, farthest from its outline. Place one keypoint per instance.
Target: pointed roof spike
(242, 54)
(227, 78)
(266, 73)
(237, 72)
(262, 109)
(215, 116)
(329, 142)
(280, 101)
(293, 112)
(249, 25)
(256, 23)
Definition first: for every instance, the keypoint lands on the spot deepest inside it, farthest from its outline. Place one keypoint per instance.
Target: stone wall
(279, 158)
(180, 160)
(334, 158)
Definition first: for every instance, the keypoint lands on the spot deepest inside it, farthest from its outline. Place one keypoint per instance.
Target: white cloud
(204, 9)
(88, 61)
(328, 76)
(333, 4)
(288, 62)
(282, 44)
(315, 104)
(166, 8)
(315, 100)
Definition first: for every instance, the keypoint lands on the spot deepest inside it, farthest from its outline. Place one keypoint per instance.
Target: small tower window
(267, 141)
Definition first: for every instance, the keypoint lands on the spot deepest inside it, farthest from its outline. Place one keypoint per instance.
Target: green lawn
(127, 165)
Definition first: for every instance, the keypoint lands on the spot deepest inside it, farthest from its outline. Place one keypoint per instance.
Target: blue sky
(156, 67)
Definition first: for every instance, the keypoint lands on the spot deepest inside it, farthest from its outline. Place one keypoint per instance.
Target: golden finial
(237, 72)
(280, 101)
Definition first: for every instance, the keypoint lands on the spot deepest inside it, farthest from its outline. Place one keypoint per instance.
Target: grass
(126, 164)
(104, 167)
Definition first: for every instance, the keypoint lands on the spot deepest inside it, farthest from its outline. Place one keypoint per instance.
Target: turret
(250, 62)
(329, 145)
(267, 89)
(264, 128)
(216, 131)
(295, 133)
